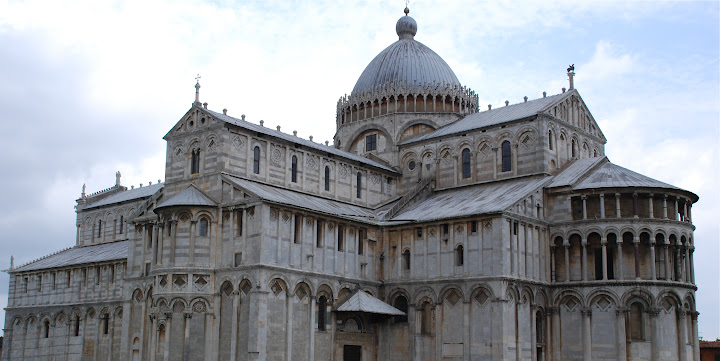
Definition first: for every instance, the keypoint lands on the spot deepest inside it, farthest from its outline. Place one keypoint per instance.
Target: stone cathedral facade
(429, 230)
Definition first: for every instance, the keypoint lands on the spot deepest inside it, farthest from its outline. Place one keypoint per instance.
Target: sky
(91, 87)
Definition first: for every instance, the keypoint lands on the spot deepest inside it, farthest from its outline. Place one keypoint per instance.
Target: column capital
(583, 196)
(586, 311)
(621, 311)
(602, 195)
(654, 312)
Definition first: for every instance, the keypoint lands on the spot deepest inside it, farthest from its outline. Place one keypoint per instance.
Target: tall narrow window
(362, 235)
(466, 163)
(99, 228)
(550, 140)
(506, 157)
(106, 324)
(120, 229)
(39, 283)
(473, 227)
(459, 256)
(370, 142)
(203, 228)
(97, 275)
(68, 278)
(340, 238)
(327, 178)
(46, 329)
(359, 185)
(76, 331)
(195, 161)
(53, 279)
(256, 160)
(406, 259)
(573, 149)
(298, 228)
(240, 222)
(426, 319)
(322, 310)
(25, 285)
(293, 169)
(319, 234)
(636, 321)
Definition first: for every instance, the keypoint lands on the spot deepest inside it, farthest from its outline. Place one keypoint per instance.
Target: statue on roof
(117, 178)
(571, 68)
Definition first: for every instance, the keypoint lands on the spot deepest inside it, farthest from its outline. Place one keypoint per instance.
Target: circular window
(411, 165)
(202, 121)
(192, 123)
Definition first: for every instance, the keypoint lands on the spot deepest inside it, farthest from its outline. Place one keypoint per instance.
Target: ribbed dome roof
(406, 60)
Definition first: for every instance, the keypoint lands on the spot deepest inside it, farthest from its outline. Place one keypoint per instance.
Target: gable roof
(361, 301)
(127, 195)
(303, 200)
(191, 196)
(493, 117)
(78, 255)
(472, 200)
(321, 148)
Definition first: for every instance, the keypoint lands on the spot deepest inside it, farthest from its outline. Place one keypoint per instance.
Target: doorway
(352, 353)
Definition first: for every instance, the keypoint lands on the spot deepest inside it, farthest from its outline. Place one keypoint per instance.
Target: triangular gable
(191, 196)
(561, 109)
(196, 113)
(364, 302)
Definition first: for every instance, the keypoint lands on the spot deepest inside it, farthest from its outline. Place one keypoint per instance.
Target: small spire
(12, 262)
(197, 89)
(82, 195)
(571, 75)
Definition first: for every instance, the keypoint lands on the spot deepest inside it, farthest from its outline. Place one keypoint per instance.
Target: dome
(406, 60)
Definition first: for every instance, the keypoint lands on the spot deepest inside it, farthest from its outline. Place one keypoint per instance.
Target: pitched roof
(574, 171)
(610, 175)
(492, 117)
(293, 139)
(471, 200)
(709, 344)
(303, 200)
(191, 196)
(361, 301)
(78, 255)
(128, 195)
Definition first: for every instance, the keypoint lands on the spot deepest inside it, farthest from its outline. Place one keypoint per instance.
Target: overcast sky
(90, 88)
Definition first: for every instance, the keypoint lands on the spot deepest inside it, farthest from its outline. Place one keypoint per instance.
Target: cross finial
(407, 10)
(197, 78)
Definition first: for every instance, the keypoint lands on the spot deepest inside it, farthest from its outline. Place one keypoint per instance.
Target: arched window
(76, 331)
(327, 178)
(359, 185)
(506, 157)
(636, 322)
(203, 228)
(550, 139)
(406, 259)
(99, 229)
(195, 162)
(466, 163)
(459, 256)
(293, 170)
(401, 304)
(46, 329)
(322, 313)
(106, 324)
(120, 229)
(256, 160)
(340, 238)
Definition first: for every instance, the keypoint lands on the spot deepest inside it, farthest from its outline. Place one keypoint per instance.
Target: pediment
(572, 110)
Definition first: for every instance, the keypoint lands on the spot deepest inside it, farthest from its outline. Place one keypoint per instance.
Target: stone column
(186, 343)
(533, 331)
(617, 205)
(635, 205)
(584, 205)
(676, 216)
(234, 320)
(289, 323)
(466, 321)
(652, 211)
(603, 242)
(168, 324)
(153, 245)
(566, 245)
(112, 335)
(192, 243)
(665, 214)
(687, 263)
(654, 334)
(161, 243)
(173, 240)
(692, 264)
(152, 347)
(667, 261)
(696, 343)
(653, 274)
(621, 335)
(552, 263)
(682, 342)
(586, 336)
(556, 341)
(636, 243)
(583, 243)
(620, 275)
(311, 352)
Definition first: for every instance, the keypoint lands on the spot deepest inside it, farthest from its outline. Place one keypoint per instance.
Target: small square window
(238, 259)
(419, 232)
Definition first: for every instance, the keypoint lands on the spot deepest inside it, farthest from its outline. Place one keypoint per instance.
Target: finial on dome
(406, 11)
(406, 27)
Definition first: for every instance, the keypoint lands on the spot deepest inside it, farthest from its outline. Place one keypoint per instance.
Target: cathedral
(430, 229)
